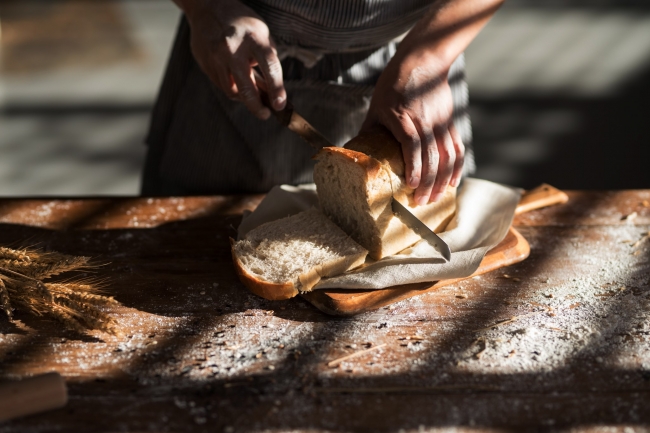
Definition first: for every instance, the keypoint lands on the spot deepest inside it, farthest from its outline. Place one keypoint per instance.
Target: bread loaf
(279, 259)
(355, 185)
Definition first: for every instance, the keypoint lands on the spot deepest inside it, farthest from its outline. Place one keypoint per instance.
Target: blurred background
(560, 93)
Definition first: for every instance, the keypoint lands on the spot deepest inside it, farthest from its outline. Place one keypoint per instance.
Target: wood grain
(543, 196)
(199, 353)
(32, 395)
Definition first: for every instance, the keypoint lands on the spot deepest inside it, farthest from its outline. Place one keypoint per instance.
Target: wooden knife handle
(33, 395)
(542, 196)
(284, 115)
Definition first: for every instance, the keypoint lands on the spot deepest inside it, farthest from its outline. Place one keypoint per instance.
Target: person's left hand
(413, 100)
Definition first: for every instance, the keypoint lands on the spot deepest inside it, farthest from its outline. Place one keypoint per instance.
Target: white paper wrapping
(484, 213)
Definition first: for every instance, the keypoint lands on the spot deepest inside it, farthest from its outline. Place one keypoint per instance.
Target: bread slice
(279, 259)
(355, 185)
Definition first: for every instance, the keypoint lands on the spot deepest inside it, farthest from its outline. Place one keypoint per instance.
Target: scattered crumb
(630, 217)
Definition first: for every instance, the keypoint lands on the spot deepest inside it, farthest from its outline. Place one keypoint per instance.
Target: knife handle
(542, 196)
(284, 115)
(292, 120)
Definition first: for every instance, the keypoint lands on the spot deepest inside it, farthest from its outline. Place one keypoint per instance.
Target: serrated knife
(422, 230)
(298, 124)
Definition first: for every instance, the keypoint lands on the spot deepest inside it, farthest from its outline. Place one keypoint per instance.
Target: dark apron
(201, 142)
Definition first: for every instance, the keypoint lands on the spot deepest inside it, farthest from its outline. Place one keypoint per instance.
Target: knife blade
(412, 222)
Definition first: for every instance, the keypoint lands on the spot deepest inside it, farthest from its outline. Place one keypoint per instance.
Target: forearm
(445, 32)
(413, 99)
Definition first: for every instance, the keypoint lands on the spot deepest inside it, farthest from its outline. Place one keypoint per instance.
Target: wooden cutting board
(513, 249)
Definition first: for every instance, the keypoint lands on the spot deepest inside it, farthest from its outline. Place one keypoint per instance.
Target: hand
(413, 100)
(228, 40)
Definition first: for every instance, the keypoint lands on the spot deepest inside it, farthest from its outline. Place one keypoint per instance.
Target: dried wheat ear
(78, 305)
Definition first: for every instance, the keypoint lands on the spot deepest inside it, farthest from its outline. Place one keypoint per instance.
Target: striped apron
(332, 53)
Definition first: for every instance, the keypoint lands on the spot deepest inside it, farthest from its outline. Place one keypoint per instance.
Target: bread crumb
(630, 217)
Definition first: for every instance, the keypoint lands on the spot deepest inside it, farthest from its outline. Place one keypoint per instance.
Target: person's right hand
(227, 40)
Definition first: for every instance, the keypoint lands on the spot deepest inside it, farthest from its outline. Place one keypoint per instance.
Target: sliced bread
(355, 185)
(279, 259)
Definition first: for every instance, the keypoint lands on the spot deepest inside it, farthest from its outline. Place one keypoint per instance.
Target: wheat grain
(5, 302)
(28, 269)
(67, 264)
(90, 315)
(9, 254)
(44, 270)
(75, 303)
(77, 286)
(67, 318)
(26, 295)
(89, 298)
(15, 263)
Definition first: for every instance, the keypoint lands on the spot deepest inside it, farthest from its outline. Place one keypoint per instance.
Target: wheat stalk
(5, 302)
(9, 254)
(64, 316)
(46, 268)
(75, 303)
(81, 293)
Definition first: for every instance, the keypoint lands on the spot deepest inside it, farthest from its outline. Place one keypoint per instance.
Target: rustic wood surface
(560, 341)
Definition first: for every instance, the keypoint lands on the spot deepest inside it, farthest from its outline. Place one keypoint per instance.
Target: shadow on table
(163, 271)
(150, 269)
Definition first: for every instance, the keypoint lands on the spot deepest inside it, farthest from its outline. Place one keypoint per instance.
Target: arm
(413, 99)
(228, 40)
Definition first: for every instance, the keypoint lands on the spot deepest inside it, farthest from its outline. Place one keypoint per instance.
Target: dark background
(576, 115)
(559, 93)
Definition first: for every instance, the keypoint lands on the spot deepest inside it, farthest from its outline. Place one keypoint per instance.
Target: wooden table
(560, 341)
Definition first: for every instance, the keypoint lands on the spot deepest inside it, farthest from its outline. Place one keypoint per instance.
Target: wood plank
(580, 343)
(593, 208)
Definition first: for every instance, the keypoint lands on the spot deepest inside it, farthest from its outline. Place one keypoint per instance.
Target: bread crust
(308, 279)
(380, 145)
(371, 165)
(265, 289)
(379, 155)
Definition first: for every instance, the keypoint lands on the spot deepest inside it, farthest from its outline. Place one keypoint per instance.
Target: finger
(226, 82)
(460, 156)
(247, 90)
(430, 160)
(211, 70)
(269, 63)
(405, 132)
(447, 159)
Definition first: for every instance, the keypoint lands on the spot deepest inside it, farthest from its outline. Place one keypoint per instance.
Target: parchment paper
(484, 213)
